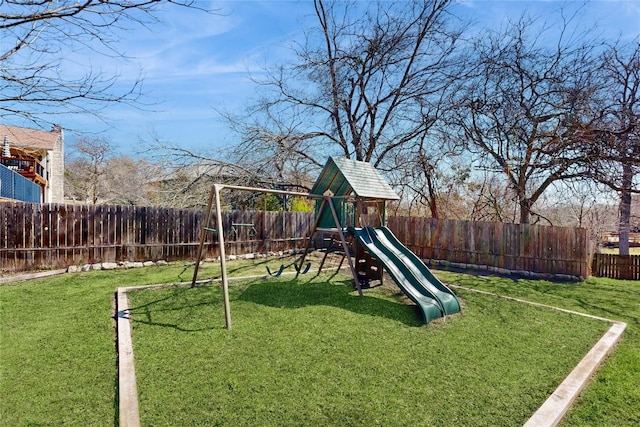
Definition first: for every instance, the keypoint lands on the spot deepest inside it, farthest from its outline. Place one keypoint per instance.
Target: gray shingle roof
(344, 177)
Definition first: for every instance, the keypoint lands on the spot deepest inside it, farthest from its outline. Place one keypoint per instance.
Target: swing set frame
(214, 198)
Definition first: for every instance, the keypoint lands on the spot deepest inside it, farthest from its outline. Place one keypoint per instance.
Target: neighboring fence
(34, 236)
(616, 266)
(514, 247)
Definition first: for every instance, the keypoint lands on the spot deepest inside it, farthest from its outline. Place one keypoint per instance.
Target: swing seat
(277, 273)
(306, 268)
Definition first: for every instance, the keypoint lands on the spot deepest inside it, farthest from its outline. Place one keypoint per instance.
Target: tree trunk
(433, 197)
(525, 210)
(625, 209)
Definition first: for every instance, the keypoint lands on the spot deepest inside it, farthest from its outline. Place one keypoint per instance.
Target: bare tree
(126, 181)
(85, 170)
(584, 204)
(516, 113)
(492, 198)
(37, 34)
(187, 175)
(430, 182)
(612, 137)
(96, 174)
(635, 213)
(368, 82)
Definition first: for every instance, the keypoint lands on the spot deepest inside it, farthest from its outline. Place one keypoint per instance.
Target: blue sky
(193, 62)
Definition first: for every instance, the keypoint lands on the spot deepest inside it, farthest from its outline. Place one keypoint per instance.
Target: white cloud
(195, 61)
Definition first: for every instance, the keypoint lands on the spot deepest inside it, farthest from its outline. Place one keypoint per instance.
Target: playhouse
(350, 218)
(358, 196)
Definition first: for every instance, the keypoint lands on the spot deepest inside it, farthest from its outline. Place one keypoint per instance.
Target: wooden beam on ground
(557, 405)
(127, 389)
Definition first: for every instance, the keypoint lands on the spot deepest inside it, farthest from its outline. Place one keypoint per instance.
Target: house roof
(30, 138)
(345, 177)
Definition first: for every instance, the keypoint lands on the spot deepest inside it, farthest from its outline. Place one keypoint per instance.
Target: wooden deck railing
(29, 168)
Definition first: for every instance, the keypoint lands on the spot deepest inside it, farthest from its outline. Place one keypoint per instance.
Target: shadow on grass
(299, 293)
(184, 309)
(181, 310)
(613, 300)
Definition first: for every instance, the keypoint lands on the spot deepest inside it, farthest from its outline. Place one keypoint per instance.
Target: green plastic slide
(441, 291)
(413, 277)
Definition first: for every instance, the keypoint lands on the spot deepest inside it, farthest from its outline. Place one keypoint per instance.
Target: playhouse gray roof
(344, 177)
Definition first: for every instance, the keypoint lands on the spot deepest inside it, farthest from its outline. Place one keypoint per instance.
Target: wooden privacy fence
(616, 266)
(34, 236)
(513, 247)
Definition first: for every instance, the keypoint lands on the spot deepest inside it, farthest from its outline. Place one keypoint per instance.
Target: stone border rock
(133, 264)
(114, 265)
(444, 264)
(80, 268)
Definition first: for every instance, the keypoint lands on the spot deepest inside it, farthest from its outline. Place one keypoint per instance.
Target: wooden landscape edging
(553, 410)
(549, 414)
(128, 410)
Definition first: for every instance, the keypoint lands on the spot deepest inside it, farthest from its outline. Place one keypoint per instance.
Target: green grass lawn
(308, 352)
(613, 397)
(57, 347)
